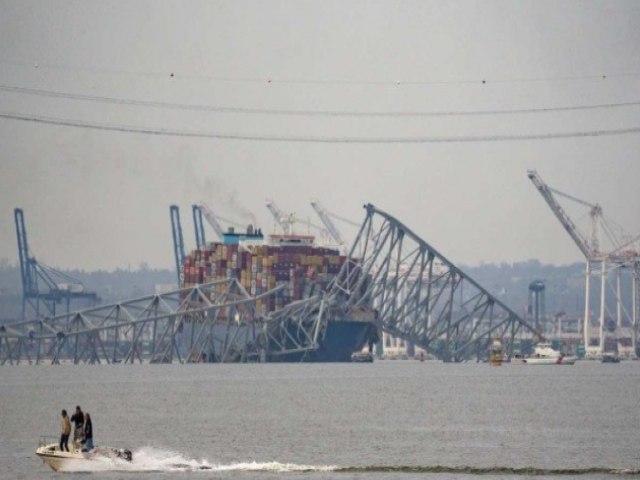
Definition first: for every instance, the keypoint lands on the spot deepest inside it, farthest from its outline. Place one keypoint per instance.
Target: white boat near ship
(545, 355)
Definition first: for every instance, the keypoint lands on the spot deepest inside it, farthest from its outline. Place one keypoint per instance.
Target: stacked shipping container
(304, 270)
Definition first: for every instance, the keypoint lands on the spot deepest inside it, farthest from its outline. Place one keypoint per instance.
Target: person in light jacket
(65, 427)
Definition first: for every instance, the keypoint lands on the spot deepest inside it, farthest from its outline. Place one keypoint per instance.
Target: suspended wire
(330, 113)
(313, 139)
(326, 81)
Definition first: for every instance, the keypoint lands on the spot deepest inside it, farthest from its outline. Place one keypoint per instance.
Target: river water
(391, 419)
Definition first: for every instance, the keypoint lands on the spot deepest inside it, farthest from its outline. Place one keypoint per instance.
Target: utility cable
(314, 139)
(323, 81)
(327, 113)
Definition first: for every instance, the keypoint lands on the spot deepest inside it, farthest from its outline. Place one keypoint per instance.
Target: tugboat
(496, 353)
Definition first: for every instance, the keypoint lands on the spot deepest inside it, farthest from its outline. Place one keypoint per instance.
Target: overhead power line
(315, 139)
(329, 113)
(322, 81)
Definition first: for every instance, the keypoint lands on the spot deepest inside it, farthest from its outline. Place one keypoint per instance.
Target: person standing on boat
(88, 432)
(78, 421)
(65, 427)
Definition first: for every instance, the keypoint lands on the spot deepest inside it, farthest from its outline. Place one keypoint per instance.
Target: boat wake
(149, 459)
(496, 470)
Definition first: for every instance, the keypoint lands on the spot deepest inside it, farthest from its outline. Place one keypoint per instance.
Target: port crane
(178, 241)
(199, 211)
(44, 287)
(589, 246)
(601, 262)
(286, 221)
(325, 217)
(198, 225)
(213, 219)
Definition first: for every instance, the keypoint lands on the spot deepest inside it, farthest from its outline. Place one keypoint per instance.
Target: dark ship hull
(342, 338)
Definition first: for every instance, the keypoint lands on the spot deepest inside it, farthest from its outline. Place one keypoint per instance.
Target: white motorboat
(57, 459)
(545, 355)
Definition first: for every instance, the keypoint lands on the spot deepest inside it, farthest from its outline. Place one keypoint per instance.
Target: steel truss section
(214, 322)
(297, 328)
(420, 296)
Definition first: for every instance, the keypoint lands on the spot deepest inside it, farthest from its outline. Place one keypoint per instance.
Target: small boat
(518, 359)
(545, 355)
(496, 354)
(362, 357)
(51, 454)
(610, 358)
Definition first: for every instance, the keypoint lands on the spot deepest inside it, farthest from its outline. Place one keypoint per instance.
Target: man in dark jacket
(88, 433)
(78, 422)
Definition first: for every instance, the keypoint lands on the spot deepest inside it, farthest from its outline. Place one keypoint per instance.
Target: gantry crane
(599, 262)
(212, 219)
(198, 225)
(44, 286)
(178, 241)
(588, 246)
(326, 220)
(199, 210)
(286, 221)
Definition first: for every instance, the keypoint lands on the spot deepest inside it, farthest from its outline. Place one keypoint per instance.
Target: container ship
(293, 262)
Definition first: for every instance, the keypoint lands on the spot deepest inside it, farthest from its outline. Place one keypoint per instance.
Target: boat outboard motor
(124, 454)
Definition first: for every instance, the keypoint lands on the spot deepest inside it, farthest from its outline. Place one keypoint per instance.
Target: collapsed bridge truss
(414, 292)
(420, 296)
(213, 322)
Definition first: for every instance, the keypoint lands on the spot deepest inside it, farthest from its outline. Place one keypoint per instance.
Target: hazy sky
(100, 199)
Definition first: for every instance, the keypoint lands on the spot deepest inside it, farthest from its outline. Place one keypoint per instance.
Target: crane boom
(567, 223)
(286, 220)
(283, 220)
(326, 220)
(211, 219)
(199, 226)
(178, 241)
(23, 250)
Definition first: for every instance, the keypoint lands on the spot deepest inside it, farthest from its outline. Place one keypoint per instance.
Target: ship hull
(342, 338)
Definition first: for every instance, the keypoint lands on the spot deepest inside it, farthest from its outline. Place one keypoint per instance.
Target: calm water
(391, 419)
